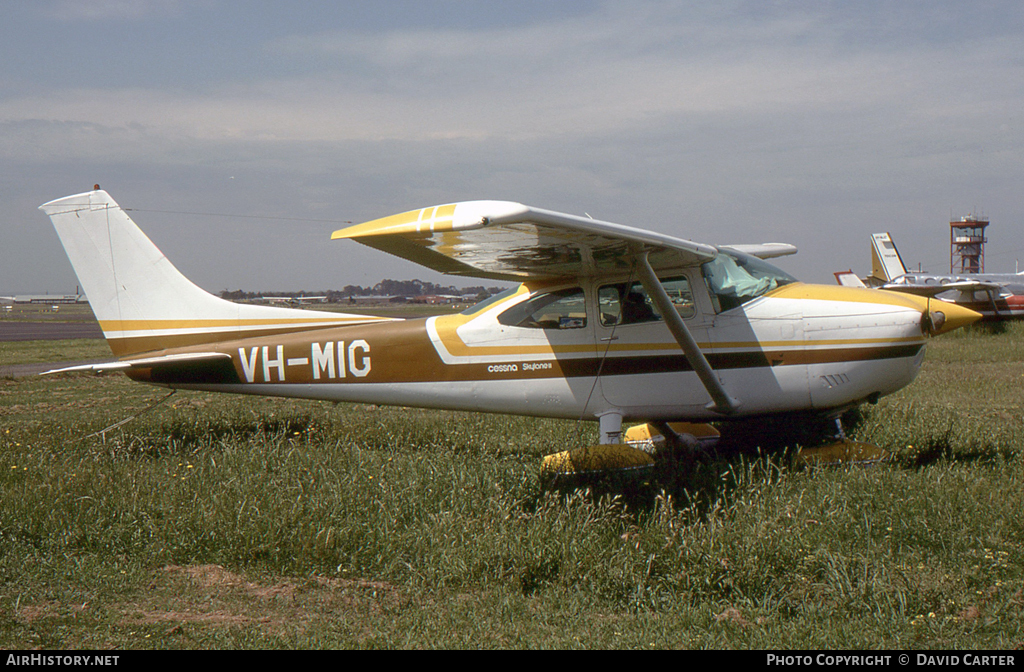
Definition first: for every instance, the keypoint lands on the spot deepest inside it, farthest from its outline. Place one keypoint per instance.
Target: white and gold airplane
(611, 324)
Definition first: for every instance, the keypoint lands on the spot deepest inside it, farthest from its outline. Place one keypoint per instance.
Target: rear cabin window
(562, 309)
(629, 303)
(490, 301)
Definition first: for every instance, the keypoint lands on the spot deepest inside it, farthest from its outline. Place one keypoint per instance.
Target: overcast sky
(243, 133)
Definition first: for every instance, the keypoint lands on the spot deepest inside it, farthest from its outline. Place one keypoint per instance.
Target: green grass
(234, 522)
(38, 352)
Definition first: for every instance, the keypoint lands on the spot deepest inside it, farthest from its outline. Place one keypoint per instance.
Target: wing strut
(722, 402)
(992, 298)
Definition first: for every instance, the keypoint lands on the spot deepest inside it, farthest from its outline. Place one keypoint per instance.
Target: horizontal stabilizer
(147, 363)
(849, 279)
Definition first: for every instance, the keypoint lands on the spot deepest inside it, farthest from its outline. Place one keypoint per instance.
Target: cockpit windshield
(735, 278)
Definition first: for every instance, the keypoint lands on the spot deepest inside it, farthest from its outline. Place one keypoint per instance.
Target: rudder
(886, 263)
(142, 302)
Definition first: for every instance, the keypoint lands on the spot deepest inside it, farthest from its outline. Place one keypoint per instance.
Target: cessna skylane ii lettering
(610, 324)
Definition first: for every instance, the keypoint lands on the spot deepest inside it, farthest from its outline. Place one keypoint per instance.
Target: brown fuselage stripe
(401, 352)
(617, 366)
(136, 345)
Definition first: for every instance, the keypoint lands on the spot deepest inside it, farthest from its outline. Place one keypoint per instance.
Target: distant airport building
(967, 245)
(50, 299)
(376, 298)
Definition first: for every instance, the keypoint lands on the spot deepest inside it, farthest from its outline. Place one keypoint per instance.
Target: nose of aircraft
(940, 317)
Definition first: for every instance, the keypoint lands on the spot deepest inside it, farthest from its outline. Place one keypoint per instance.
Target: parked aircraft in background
(611, 324)
(996, 296)
(293, 300)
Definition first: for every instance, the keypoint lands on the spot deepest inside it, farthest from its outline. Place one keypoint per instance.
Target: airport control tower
(967, 245)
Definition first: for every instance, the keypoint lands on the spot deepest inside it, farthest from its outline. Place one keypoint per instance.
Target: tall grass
(218, 521)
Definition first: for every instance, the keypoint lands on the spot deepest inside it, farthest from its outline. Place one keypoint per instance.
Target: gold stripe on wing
(405, 223)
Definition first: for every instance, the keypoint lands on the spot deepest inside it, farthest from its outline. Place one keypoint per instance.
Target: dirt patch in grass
(35, 612)
(210, 595)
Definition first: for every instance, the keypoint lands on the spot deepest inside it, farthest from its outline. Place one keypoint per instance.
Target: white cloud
(601, 74)
(791, 126)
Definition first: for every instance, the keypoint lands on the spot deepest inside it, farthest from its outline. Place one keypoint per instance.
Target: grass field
(39, 352)
(234, 522)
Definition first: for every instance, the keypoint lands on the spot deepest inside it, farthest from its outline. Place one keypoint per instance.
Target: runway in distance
(610, 324)
(995, 296)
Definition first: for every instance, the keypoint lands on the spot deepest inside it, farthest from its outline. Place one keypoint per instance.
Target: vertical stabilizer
(143, 303)
(886, 264)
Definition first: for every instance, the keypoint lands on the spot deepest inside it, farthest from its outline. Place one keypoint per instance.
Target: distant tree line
(382, 288)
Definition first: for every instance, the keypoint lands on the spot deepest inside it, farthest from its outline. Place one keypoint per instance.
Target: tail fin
(886, 263)
(143, 303)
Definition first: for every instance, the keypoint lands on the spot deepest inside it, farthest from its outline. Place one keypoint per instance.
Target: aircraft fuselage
(797, 347)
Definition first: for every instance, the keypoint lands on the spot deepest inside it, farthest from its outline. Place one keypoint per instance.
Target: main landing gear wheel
(652, 454)
(601, 466)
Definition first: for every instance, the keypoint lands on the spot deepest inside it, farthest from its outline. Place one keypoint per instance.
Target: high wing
(502, 240)
(936, 289)
(509, 241)
(764, 250)
(850, 279)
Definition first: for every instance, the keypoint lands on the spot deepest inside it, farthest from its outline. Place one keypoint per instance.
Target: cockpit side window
(561, 309)
(629, 304)
(734, 278)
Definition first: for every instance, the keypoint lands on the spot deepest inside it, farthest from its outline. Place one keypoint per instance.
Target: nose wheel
(841, 450)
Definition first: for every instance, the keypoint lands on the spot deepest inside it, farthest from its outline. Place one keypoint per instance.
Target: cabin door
(643, 371)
